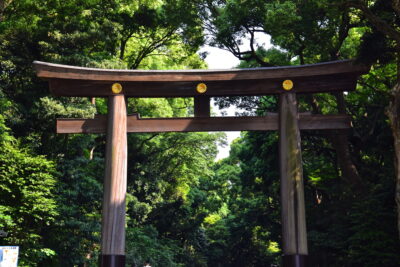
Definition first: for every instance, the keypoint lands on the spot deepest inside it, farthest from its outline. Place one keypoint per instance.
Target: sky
(221, 59)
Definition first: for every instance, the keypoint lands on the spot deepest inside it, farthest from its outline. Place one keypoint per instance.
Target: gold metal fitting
(116, 88)
(287, 85)
(201, 88)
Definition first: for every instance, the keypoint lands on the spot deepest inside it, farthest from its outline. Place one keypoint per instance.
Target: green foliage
(112, 34)
(339, 215)
(308, 31)
(272, 56)
(145, 245)
(242, 233)
(183, 209)
(27, 203)
(76, 232)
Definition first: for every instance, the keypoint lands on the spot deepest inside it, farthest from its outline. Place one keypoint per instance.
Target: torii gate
(202, 84)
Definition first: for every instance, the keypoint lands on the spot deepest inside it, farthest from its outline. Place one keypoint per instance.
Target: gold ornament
(287, 85)
(201, 88)
(116, 88)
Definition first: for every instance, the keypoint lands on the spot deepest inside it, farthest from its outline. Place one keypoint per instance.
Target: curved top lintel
(57, 71)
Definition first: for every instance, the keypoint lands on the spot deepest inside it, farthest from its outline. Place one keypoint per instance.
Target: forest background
(183, 208)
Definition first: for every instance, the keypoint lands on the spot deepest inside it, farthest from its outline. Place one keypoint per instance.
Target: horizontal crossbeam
(319, 84)
(88, 82)
(203, 124)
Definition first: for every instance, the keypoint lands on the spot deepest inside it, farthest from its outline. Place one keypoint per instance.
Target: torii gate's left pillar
(113, 217)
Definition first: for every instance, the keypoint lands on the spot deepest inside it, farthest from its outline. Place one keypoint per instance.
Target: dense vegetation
(184, 209)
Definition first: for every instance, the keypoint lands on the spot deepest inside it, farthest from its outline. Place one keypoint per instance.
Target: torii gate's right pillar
(294, 233)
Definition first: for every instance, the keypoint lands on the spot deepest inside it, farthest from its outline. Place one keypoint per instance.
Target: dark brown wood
(112, 261)
(267, 123)
(86, 82)
(202, 106)
(323, 77)
(317, 84)
(294, 232)
(113, 217)
(294, 260)
(49, 70)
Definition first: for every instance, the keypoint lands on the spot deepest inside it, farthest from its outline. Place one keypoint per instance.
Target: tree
(384, 36)
(111, 34)
(309, 32)
(27, 203)
(153, 28)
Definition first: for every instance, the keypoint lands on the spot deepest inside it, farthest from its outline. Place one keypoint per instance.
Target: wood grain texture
(49, 70)
(113, 217)
(324, 77)
(204, 124)
(313, 84)
(294, 231)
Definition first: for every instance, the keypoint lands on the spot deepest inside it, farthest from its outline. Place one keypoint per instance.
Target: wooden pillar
(113, 218)
(294, 232)
(202, 106)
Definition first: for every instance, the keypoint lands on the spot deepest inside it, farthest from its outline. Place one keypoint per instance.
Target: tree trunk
(2, 8)
(122, 48)
(341, 145)
(393, 113)
(393, 110)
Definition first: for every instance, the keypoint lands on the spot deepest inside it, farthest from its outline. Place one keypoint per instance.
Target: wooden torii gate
(286, 82)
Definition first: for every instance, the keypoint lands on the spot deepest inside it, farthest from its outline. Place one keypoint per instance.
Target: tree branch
(396, 6)
(376, 21)
(3, 5)
(146, 51)
(253, 51)
(343, 32)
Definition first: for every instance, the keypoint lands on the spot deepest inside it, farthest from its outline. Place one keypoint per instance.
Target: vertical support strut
(292, 191)
(113, 218)
(202, 106)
